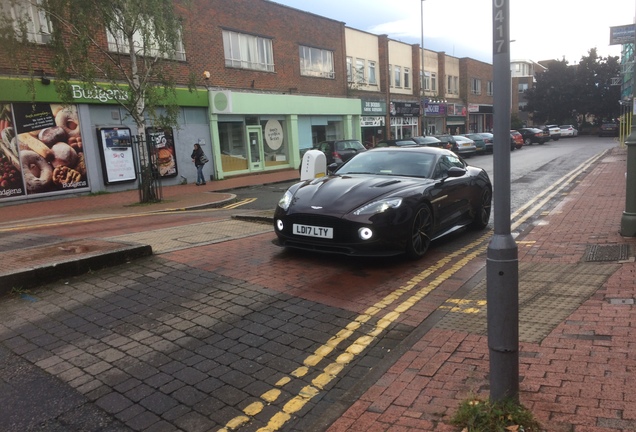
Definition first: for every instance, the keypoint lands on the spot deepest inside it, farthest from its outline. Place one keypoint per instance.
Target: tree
(584, 88)
(122, 46)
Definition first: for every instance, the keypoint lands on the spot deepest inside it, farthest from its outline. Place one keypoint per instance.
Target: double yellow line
(330, 371)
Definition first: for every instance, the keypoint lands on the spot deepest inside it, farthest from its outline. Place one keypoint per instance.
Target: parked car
(608, 129)
(460, 145)
(533, 135)
(516, 139)
(428, 141)
(386, 201)
(553, 131)
(480, 142)
(397, 142)
(340, 151)
(568, 131)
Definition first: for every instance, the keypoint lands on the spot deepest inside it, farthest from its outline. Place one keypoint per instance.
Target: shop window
(247, 52)
(316, 62)
(233, 146)
(275, 143)
(29, 17)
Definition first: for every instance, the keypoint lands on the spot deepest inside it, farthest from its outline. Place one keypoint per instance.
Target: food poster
(118, 160)
(162, 145)
(11, 184)
(44, 145)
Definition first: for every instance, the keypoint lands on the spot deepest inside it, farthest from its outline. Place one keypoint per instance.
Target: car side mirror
(456, 172)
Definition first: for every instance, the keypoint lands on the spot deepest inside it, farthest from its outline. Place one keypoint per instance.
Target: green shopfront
(253, 132)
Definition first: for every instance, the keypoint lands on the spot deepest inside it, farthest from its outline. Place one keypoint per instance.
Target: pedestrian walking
(199, 159)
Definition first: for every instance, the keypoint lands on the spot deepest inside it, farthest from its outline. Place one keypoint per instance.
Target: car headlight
(378, 206)
(285, 201)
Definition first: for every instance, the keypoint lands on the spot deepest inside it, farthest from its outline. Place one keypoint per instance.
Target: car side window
(445, 163)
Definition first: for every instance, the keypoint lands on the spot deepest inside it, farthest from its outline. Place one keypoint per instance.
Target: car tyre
(482, 210)
(420, 235)
(528, 141)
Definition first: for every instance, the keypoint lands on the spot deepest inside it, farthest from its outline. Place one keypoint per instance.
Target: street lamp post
(422, 97)
(628, 220)
(502, 266)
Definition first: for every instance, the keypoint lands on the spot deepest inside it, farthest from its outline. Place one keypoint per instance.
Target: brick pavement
(135, 350)
(579, 378)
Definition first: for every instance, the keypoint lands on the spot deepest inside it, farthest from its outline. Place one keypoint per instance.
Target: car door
(452, 200)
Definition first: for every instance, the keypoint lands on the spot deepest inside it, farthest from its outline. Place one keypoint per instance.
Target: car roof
(429, 150)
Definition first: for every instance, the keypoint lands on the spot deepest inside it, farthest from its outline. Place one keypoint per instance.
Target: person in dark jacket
(197, 155)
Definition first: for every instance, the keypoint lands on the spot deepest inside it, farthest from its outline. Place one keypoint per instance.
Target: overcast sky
(541, 29)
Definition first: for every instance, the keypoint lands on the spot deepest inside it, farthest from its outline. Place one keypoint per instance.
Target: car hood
(339, 195)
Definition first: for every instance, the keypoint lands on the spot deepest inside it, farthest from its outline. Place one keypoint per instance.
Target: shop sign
(41, 150)
(98, 93)
(620, 35)
(371, 121)
(405, 109)
(473, 108)
(274, 134)
(435, 109)
(403, 121)
(456, 110)
(373, 108)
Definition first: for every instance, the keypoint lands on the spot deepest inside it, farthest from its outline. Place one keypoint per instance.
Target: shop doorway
(255, 147)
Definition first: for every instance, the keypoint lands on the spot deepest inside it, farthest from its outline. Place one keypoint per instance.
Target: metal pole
(628, 220)
(502, 267)
(422, 98)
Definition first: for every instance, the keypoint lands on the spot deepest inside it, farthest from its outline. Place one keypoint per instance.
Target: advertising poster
(162, 144)
(117, 154)
(11, 184)
(43, 142)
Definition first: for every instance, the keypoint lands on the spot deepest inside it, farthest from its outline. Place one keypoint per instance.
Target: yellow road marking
(239, 203)
(333, 369)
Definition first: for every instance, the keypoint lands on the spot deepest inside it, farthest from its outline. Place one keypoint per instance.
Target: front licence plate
(313, 231)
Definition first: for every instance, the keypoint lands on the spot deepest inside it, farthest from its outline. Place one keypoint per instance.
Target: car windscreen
(398, 163)
(349, 145)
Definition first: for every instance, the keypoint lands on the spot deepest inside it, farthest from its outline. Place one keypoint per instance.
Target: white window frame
(245, 51)
(475, 86)
(316, 62)
(38, 25)
(453, 84)
(390, 75)
(349, 69)
(359, 71)
(433, 81)
(371, 69)
(397, 76)
(117, 43)
(407, 78)
(522, 87)
(490, 88)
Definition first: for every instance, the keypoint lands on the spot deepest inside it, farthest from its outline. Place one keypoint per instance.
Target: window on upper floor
(490, 88)
(360, 71)
(407, 78)
(522, 87)
(117, 42)
(390, 75)
(246, 51)
(453, 85)
(433, 81)
(373, 80)
(397, 76)
(349, 69)
(475, 86)
(316, 62)
(30, 20)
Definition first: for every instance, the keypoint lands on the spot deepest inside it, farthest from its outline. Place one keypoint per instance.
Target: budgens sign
(98, 94)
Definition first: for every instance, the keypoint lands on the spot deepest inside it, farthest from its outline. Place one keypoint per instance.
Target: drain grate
(599, 253)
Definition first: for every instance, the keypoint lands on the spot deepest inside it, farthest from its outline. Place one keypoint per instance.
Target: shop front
(480, 118)
(404, 119)
(49, 148)
(456, 119)
(434, 118)
(372, 122)
(253, 132)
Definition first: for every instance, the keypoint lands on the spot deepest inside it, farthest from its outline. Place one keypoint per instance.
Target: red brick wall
(469, 69)
(287, 27)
